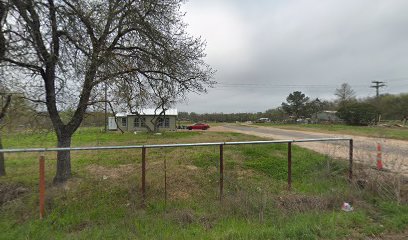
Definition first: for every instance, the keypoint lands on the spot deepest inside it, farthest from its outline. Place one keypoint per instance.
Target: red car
(201, 126)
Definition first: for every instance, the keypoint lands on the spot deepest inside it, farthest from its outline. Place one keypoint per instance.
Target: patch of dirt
(104, 173)
(191, 167)
(181, 186)
(10, 192)
(207, 222)
(220, 129)
(72, 183)
(183, 180)
(179, 195)
(394, 236)
(302, 203)
(186, 217)
(244, 173)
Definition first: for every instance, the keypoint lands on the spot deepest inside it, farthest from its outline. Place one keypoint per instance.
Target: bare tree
(345, 94)
(66, 49)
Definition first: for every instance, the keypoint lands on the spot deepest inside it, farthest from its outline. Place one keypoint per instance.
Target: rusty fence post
(165, 182)
(289, 166)
(350, 172)
(143, 176)
(221, 171)
(42, 184)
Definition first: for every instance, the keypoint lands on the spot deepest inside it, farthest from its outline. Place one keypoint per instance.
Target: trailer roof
(149, 112)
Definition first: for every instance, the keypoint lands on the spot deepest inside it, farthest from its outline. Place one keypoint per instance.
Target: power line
(396, 79)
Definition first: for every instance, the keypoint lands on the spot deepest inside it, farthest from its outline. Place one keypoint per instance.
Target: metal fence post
(289, 166)
(143, 167)
(350, 175)
(221, 171)
(143, 176)
(165, 182)
(42, 185)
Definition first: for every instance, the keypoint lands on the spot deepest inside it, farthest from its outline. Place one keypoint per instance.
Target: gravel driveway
(394, 152)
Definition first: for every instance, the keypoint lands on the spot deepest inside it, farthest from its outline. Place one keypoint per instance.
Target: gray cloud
(263, 51)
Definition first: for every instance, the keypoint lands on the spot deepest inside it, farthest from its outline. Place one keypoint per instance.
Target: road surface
(394, 152)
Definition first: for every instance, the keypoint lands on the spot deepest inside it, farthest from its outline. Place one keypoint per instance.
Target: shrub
(361, 114)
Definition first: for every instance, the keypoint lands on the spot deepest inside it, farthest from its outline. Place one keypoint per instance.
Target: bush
(361, 114)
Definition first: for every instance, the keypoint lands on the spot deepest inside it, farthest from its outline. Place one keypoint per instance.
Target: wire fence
(232, 187)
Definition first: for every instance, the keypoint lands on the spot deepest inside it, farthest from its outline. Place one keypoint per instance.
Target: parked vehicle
(201, 126)
(263, 120)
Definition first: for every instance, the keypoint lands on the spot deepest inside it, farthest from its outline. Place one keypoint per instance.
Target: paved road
(394, 152)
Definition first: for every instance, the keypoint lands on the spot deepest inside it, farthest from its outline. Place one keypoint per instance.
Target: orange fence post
(379, 157)
(42, 185)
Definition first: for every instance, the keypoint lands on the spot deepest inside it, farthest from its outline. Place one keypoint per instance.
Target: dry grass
(293, 202)
(10, 192)
(101, 172)
(386, 184)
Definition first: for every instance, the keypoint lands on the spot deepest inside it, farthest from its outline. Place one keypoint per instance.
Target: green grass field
(369, 131)
(102, 200)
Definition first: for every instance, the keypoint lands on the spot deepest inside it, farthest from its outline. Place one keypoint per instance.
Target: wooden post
(42, 185)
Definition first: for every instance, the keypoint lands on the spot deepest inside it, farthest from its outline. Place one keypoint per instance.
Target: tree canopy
(63, 54)
(296, 104)
(358, 113)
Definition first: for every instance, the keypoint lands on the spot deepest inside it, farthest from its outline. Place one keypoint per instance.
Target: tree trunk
(63, 160)
(2, 115)
(2, 166)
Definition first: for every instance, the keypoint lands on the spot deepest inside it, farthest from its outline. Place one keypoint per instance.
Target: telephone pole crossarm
(377, 86)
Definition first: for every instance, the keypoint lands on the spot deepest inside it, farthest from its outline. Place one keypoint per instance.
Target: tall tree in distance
(296, 104)
(68, 49)
(344, 94)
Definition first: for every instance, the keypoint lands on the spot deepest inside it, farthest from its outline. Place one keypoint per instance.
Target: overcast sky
(263, 50)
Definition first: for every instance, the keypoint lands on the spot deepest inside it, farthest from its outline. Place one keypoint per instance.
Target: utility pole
(377, 86)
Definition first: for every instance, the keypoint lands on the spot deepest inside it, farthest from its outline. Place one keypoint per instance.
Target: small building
(145, 120)
(326, 116)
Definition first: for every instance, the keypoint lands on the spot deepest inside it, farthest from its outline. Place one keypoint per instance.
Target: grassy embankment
(102, 201)
(369, 131)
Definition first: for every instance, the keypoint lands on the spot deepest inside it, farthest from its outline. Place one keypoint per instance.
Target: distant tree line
(391, 107)
(274, 114)
(353, 111)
